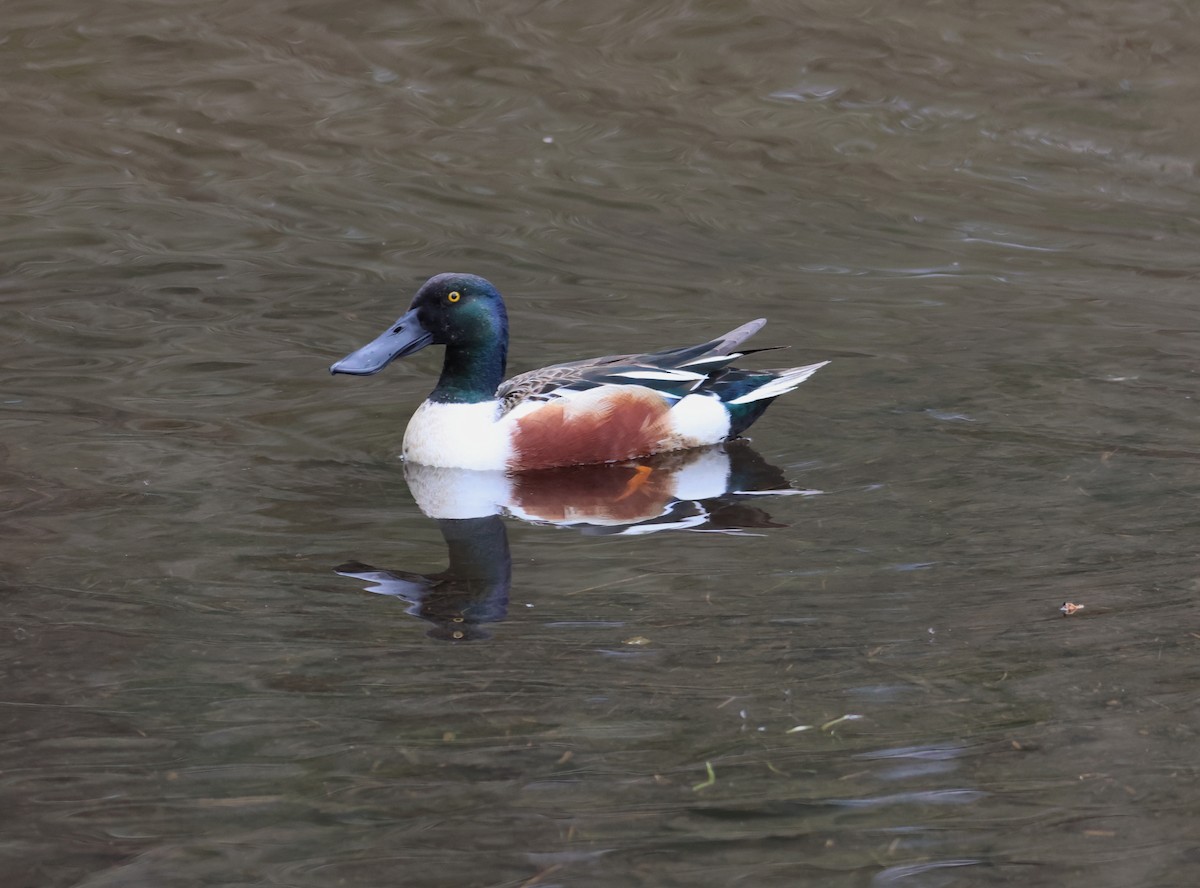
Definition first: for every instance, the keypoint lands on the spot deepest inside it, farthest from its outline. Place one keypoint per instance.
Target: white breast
(459, 436)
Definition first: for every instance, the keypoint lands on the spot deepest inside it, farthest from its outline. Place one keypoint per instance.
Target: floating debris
(637, 640)
(712, 778)
(1068, 608)
(830, 725)
(798, 729)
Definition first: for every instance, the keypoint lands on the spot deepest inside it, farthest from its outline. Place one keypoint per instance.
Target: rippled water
(984, 214)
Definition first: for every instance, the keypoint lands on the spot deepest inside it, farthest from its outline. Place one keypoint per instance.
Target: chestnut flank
(627, 423)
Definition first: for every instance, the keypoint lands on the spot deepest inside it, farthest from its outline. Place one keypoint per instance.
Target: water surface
(985, 215)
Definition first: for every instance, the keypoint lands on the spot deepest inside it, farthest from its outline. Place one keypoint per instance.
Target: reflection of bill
(472, 590)
(711, 489)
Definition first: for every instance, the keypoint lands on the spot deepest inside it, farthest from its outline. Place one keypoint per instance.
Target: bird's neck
(471, 373)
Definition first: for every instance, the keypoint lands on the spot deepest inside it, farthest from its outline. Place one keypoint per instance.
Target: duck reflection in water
(711, 489)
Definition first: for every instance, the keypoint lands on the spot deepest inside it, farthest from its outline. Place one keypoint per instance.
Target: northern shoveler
(592, 411)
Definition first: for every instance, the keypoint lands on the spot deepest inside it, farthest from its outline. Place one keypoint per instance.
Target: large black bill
(403, 338)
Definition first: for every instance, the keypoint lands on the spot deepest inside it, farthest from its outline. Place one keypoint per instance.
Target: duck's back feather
(674, 373)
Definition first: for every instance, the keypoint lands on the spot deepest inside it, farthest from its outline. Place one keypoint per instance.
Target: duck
(596, 410)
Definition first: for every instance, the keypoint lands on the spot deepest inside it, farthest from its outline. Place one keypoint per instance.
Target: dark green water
(985, 214)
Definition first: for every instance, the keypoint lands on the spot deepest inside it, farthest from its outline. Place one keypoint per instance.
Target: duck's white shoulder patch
(459, 436)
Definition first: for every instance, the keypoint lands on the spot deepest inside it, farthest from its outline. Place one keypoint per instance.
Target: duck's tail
(747, 393)
(773, 383)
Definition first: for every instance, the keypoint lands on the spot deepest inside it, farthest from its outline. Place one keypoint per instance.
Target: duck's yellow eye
(454, 296)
